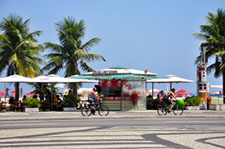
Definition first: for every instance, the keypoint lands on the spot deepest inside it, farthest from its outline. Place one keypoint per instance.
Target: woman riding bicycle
(170, 98)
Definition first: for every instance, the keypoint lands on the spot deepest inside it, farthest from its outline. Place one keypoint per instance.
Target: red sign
(110, 83)
(105, 72)
(202, 68)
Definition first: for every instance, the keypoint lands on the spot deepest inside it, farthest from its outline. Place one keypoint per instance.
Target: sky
(156, 35)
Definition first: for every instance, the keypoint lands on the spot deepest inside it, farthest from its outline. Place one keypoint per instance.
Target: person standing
(6, 92)
(134, 97)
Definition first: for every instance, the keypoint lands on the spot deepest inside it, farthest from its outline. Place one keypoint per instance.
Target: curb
(112, 117)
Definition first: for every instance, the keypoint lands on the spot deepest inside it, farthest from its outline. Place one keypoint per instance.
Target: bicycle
(102, 109)
(163, 109)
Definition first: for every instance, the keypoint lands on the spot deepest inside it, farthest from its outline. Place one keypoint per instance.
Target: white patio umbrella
(153, 90)
(16, 78)
(60, 85)
(57, 79)
(52, 78)
(49, 79)
(170, 79)
(176, 79)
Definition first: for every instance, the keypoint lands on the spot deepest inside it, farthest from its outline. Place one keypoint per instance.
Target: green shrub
(194, 101)
(70, 100)
(32, 102)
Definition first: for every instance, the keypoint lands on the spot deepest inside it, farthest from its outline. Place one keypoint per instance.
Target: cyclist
(94, 96)
(161, 96)
(170, 98)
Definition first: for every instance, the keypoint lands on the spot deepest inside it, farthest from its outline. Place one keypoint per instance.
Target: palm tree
(71, 53)
(18, 49)
(213, 35)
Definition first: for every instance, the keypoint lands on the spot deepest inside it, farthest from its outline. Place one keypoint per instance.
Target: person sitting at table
(12, 102)
(24, 98)
(59, 103)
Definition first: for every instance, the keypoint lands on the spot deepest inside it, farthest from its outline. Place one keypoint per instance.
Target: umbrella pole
(5, 92)
(52, 95)
(170, 85)
(42, 88)
(152, 90)
(121, 105)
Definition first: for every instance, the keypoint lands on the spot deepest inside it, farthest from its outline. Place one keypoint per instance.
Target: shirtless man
(93, 97)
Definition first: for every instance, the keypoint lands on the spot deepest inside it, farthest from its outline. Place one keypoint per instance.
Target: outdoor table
(83, 102)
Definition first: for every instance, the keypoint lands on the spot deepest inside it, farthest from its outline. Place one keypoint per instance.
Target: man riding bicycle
(171, 98)
(94, 96)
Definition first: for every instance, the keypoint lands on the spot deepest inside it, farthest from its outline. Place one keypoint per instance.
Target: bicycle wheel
(161, 110)
(103, 110)
(177, 110)
(85, 111)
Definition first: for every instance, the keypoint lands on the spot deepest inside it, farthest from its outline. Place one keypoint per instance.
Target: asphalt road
(114, 133)
(112, 122)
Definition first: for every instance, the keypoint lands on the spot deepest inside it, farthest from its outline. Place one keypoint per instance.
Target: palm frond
(3, 39)
(52, 46)
(201, 36)
(84, 66)
(93, 57)
(55, 70)
(48, 66)
(90, 43)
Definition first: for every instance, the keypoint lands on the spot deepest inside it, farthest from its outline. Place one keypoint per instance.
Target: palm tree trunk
(75, 89)
(223, 61)
(17, 91)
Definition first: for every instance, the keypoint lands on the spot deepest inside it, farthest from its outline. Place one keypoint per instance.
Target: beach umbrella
(218, 93)
(57, 79)
(193, 93)
(84, 91)
(181, 91)
(176, 79)
(2, 93)
(155, 90)
(16, 78)
(49, 79)
(170, 79)
(52, 78)
(30, 94)
(60, 85)
(13, 93)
